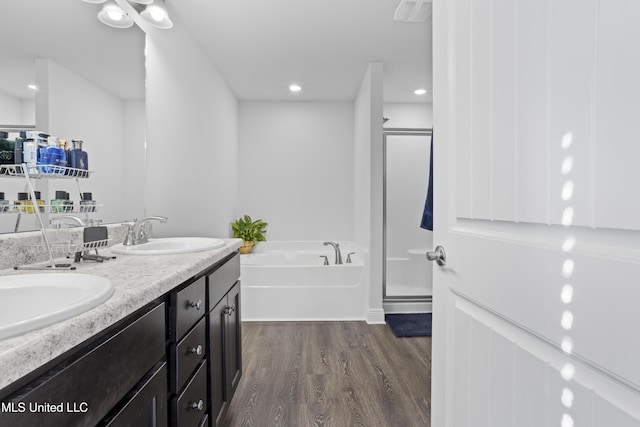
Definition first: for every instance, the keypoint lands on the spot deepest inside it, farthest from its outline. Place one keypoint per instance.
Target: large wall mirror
(90, 86)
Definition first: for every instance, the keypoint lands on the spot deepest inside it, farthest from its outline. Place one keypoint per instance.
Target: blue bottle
(54, 156)
(77, 158)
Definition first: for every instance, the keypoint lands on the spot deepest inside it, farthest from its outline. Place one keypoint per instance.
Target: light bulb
(116, 15)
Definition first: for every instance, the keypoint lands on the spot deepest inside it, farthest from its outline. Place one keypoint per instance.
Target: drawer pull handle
(196, 304)
(197, 350)
(229, 310)
(199, 405)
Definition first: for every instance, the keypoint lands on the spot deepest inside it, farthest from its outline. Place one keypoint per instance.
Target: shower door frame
(413, 303)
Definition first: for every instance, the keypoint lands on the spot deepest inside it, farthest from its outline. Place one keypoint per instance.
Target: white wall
(296, 161)
(134, 158)
(192, 142)
(408, 115)
(75, 108)
(10, 110)
(367, 200)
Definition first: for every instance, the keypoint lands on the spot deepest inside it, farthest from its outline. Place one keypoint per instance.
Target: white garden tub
(287, 280)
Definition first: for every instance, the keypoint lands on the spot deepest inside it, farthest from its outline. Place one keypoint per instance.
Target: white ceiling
(259, 46)
(324, 45)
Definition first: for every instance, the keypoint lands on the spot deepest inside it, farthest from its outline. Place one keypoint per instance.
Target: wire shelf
(51, 209)
(95, 244)
(43, 171)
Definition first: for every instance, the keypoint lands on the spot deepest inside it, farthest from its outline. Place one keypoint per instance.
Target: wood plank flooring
(298, 374)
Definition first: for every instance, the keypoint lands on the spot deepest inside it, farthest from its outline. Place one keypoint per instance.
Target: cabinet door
(146, 405)
(233, 342)
(215, 354)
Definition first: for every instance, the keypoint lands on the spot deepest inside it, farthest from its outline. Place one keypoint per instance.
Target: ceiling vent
(413, 11)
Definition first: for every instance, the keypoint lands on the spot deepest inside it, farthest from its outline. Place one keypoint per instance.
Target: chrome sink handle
(139, 233)
(326, 259)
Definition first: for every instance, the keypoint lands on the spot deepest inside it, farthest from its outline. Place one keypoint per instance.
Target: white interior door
(536, 175)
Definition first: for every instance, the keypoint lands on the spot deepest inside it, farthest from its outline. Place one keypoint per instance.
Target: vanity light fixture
(113, 16)
(156, 14)
(153, 12)
(295, 88)
(420, 91)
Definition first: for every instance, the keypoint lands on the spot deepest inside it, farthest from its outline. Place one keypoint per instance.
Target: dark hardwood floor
(298, 374)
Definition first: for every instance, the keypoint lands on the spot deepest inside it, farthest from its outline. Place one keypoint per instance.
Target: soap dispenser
(79, 158)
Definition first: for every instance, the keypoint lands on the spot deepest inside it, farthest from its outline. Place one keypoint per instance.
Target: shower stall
(407, 282)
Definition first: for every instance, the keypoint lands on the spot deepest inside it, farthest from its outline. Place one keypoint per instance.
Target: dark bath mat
(409, 325)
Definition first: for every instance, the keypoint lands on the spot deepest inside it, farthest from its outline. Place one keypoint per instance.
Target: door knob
(438, 255)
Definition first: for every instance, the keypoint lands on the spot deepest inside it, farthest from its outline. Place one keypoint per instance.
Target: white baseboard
(407, 307)
(375, 316)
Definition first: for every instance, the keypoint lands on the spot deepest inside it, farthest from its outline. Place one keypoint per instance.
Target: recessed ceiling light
(32, 87)
(420, 91)
(295, 88)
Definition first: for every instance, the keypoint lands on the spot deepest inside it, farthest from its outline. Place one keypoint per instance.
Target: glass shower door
(407, 273)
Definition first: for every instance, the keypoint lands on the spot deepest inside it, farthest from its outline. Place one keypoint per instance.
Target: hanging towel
(427, 215)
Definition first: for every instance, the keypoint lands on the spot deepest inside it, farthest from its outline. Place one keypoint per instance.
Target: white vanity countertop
(137, 279)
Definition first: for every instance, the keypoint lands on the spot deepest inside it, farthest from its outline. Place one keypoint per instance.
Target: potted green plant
(250, 231)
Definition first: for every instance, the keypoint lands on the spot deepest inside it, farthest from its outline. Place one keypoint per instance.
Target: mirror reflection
(68, 75)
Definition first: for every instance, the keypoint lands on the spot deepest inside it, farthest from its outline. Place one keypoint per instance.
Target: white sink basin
(33, 301)
(170, 245)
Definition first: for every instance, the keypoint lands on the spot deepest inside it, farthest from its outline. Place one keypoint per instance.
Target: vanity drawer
(187, 307)
(221, 280)
(190, 407)
(186, 355)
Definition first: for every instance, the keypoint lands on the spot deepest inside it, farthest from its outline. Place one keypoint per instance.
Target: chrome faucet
(336, 248)
(67, 218)
(141, 231)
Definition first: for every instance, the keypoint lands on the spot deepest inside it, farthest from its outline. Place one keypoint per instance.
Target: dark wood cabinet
(222, 359)
(174, 362)
(225, 337)
(92, 380)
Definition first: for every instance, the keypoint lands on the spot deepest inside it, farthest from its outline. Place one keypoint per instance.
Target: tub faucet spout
(336, 248)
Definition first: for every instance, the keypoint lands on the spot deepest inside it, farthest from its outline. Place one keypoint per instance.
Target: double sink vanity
(152, 340)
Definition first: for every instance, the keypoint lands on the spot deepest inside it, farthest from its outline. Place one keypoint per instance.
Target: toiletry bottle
(17, 153)
(68, 204)
(30, 205)
(4, 204)
(30, 152)
(79, 158)
(58, 204)
(21, 203)
(87, 204)
(7, 149)
(54, 156)
(38, 202)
